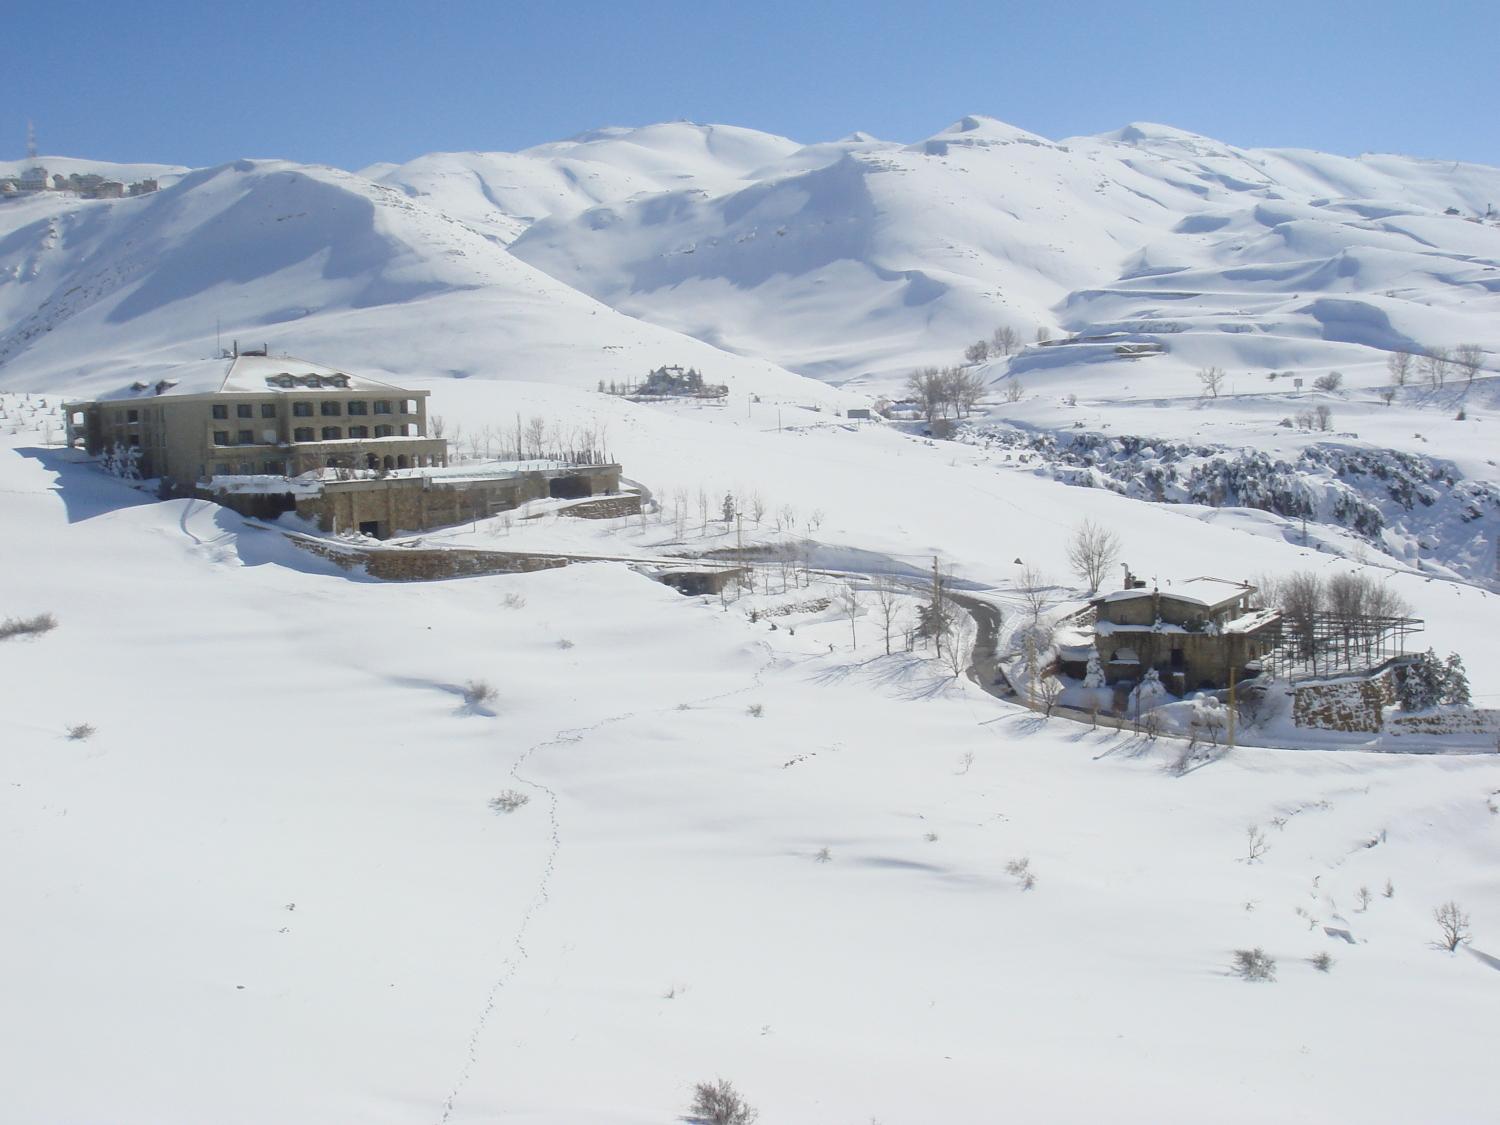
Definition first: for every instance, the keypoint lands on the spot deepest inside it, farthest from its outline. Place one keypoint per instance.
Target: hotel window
(303, 433)
(382, 431)
(245, 437)
(132, 415)
(221, 411)
(221, 437)
(268, 410)
(246, 468)
(331, 433)
(302, 410)
(244, 410)
(382, 407)
(275, 468)
(223, 469)
(328, 409)
(359, 407)
(359, 431)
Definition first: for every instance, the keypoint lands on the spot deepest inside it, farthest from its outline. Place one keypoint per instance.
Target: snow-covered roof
(243, 374)
(1211, 593)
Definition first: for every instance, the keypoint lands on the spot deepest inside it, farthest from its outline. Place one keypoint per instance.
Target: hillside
(309, 259)
(887, 259)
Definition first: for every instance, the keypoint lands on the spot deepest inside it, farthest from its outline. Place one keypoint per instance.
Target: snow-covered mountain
(314, 259)
(888, 257)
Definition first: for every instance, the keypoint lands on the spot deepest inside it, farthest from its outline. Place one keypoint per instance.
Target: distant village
(87, 186)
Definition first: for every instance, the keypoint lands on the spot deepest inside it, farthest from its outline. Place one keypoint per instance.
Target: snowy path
(519, 953)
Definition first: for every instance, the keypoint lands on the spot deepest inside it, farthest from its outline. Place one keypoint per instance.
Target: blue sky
(350, 84)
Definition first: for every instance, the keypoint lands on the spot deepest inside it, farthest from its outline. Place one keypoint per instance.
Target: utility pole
(1231, 696)
(739, 544)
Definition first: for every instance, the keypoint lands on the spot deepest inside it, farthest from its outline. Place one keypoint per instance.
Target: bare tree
(887, 601)
(1092, 551)
(849, 605)
(1470, 358)
(1048, 691)
(1013, 390)
(757, 507)
(436, 424)
(1435, 365)
(962, 389)
(703, 509)
(1399, 366)
(1035, 592)
(1212, 379)
(1454, 924)
(1005, 340)
(925, 387)
(1323, 416)
(977, 352)
(1043, 334)
(958, 636)
(1329, 382)
(536, 435)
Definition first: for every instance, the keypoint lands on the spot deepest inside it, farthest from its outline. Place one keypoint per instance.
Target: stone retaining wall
(1356, 703)
(419, 564)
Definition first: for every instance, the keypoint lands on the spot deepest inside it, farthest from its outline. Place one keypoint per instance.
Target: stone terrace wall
(1444, 721)
(404, 564)
(1351, 704)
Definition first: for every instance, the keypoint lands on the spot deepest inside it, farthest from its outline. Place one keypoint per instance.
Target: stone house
(1196, 633)
(256, 414)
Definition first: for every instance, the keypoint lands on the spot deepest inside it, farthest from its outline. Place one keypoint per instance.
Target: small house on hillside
(1197, 633)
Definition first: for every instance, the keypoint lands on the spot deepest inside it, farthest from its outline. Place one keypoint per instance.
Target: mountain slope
(313, 260)
(895, 257)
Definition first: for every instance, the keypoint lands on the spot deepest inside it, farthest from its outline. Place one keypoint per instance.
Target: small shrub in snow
(565, 644)
(1254, 964)
(1364, 897)
(1454, 924)
(824, 855)
(80, 732)
(1390, 889)
(509, 801)
(513, 601)
(1330, 382)
(1322, 962)
(1020, 870)
(479, 692)
(27, 626)
(755, 710)
(1255, 844)
(719, 1103)
(931, 837)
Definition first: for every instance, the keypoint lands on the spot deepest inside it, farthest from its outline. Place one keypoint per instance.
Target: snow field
(284, 735)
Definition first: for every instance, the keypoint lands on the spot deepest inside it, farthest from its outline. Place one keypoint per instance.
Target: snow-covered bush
(123, 461)
(1149, 693)
(719, 1103)
(27, 626)
(509, 801)
(1093, 675)
(1254, 964)
(479, 692)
